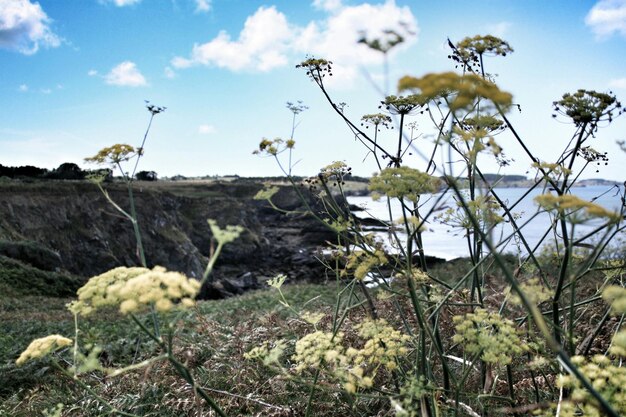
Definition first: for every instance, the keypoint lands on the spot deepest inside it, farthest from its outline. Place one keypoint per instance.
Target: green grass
(20, 279)
(212, 336)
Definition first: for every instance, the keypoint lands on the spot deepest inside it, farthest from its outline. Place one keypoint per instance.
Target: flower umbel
(134, 289)
(575, 208)
(489, 334)
(39, 348)
(226, 235)
(402, 182)
(460, 91)
(115, 154)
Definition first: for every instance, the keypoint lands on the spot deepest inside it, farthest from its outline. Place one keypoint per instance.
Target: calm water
(448, 243)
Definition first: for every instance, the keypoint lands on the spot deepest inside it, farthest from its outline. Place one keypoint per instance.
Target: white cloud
(337, 37)
(618, 83)
(92, 73)
(499, 29)
(125, 74)
(203, 6)
(268, 40)
(24, 27)
(169, 73)
(206, 129)
(121, 3)
(23, 88)
(261, 45)
(607, 17)
(327, 5)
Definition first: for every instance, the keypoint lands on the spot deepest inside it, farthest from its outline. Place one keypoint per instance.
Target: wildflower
(568, 204)
(226, 235)
(115, 154)
(311, 317)
(484, 209)
(134, 289)
(402, 104)
(402, 182)
(277, 281)
(316, 68)
(376, 120)
(392, 39)
(39, 348)
(616, 297)
(296, 108)
(485, 122)
(605, 377)
(460, 91)
(337, 170)
(534, 291)
(363, 262)
(411, 393)
(384, 344)
(551, 168)
(588, 107)
(469, 51)
(269, 147)
(312, 350)
(489, 334)
(266, 193)
(268, 355)
(485, 45)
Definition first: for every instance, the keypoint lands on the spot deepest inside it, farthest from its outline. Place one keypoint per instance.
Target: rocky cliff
(70, 226)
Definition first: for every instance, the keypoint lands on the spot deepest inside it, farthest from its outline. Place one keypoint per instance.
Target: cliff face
(75, 221)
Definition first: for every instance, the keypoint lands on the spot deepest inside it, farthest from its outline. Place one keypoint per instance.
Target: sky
(74, 75)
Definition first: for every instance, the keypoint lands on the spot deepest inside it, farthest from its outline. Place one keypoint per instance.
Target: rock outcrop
(73, 225)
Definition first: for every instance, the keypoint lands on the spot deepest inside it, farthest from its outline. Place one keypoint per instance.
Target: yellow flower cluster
(460, 91)
(267, 354)
(606, 378)
(356, 368)
(402, 182)
(483, 208)
(414, 223)
(488, 334)
(274, 146)
(486, 122)
(266, 193)
(384, 344)
(227, 235)
(317, 348)
(132, 289)
(554, 168)
(363, 262)
(616, 297)
(113, 154)
(336, 170)
(534, 290)
(477, 140)
(480, 45)
(277, 281)
(39, 348)
(575, 208)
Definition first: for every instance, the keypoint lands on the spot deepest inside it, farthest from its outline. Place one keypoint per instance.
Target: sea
(446, 242)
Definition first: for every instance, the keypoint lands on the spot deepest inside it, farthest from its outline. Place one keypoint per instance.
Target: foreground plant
(469, 345)
(134, 292)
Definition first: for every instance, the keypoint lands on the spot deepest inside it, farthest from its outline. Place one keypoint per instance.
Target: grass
(214, 331)
(212, 340)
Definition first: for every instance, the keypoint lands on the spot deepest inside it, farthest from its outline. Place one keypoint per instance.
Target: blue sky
(74, 75)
